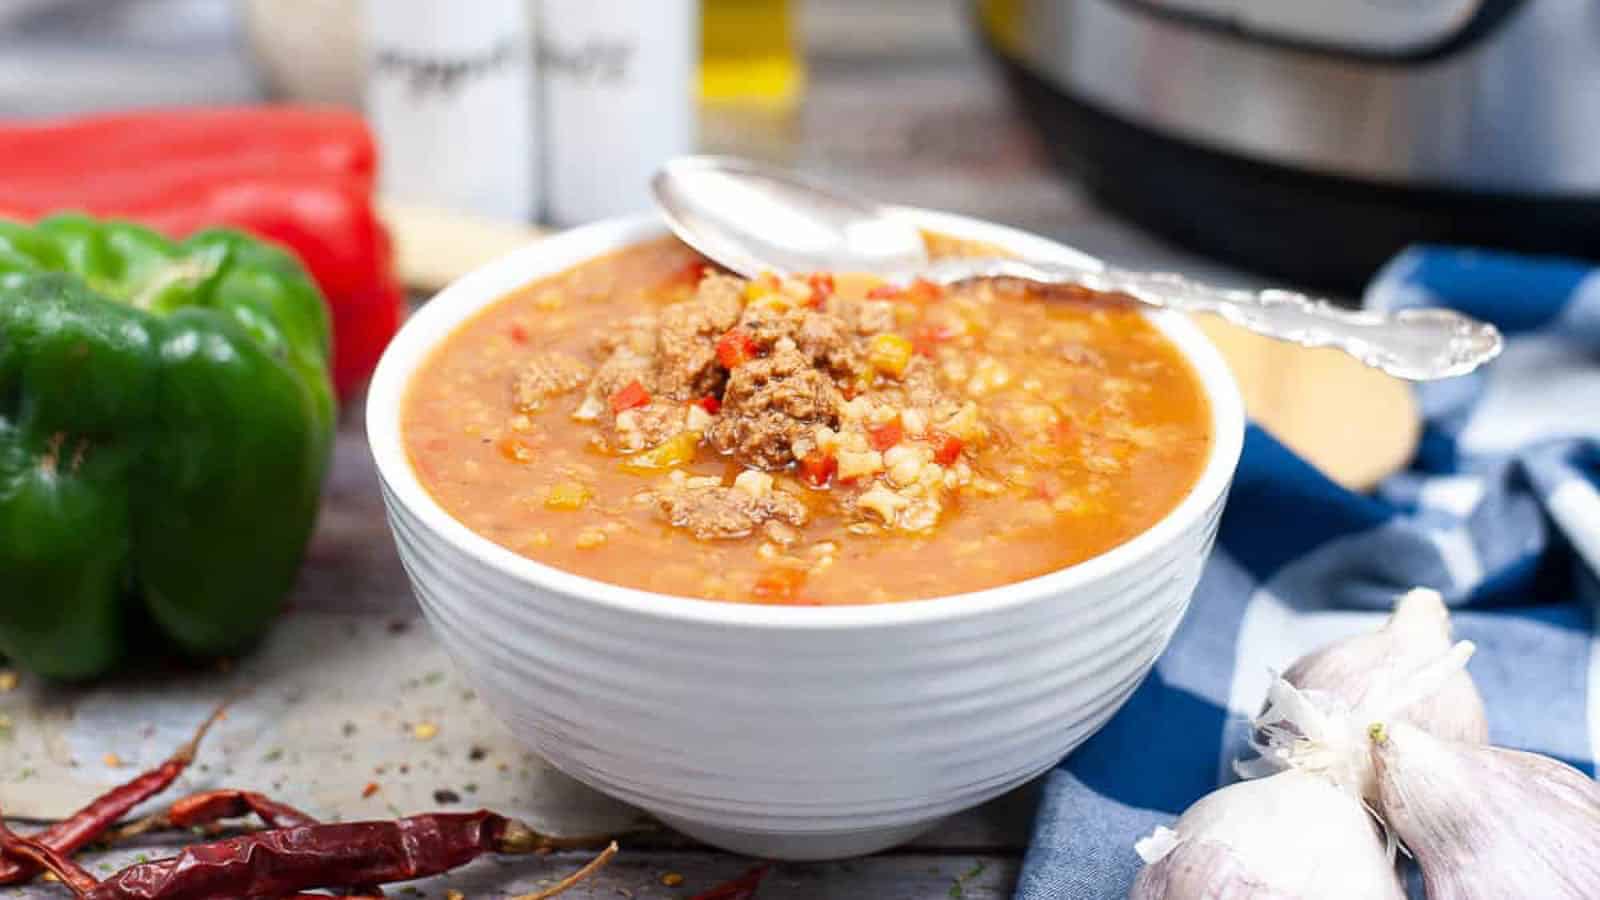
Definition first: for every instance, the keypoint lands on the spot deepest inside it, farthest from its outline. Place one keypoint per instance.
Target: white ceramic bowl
(792, 732)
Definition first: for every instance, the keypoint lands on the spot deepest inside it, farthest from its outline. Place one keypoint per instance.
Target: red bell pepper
(262, 138)
(300, 177)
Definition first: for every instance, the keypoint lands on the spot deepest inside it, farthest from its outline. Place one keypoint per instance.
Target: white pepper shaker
(619, 91)
(451, 95)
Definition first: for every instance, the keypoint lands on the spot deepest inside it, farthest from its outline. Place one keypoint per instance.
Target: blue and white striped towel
(1500, 512)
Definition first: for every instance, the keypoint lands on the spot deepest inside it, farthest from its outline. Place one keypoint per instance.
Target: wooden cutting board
(1354, 423)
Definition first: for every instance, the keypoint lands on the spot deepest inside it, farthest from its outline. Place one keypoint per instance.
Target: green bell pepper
(166, 419)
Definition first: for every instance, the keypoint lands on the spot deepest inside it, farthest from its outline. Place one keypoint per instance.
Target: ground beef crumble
(770, 404)
(716, 512)
(760, 372)
(546, 375)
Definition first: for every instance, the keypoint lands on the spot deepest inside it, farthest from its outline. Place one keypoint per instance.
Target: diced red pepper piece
(518, 333)
(885, 436)
(629, 397)
(710, 404)
(779, 585)
(923, 290)
(692, 272)
(946, 449)
(818, 468)
(735, 348)
(821, 288)
(883, 292)
(928, 338)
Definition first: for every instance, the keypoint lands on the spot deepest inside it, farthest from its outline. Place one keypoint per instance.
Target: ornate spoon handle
(1415, 344)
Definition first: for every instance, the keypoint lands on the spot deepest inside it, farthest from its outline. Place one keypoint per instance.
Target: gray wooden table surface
(900, 106)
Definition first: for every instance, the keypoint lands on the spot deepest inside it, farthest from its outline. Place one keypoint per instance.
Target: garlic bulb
(1289, 836)
(1486, 822)
(1367, 668)
(1316, 715)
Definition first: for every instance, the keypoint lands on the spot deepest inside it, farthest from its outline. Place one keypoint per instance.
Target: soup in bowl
(800, 565)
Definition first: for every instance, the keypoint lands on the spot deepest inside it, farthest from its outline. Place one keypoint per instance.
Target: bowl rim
(462, 299)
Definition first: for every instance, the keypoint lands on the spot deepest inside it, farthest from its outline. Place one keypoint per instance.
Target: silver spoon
(753, 219)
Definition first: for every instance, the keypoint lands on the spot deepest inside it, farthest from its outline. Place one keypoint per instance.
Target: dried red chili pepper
(35, 855)
(213, 806)
(741, 888)
(208, 807)
(285, 861)
(88, 824)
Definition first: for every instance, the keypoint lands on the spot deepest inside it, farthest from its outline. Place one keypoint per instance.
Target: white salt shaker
(451, 94)
(619, 88)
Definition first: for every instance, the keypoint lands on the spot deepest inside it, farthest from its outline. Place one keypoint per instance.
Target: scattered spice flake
(445, 797)
(672, 879)
(349, 729)
(399, 627)
(454, 895)
(741, 888)
(410, 891)
(370, 789)
(8, 681)
(424, 731)
(470, 787)
(273, 755)
(112, 761)
(476, 753)
(433, 678)
(958, 884)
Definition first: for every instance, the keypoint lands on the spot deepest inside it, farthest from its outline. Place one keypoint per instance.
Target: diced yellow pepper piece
(669, 454)
(761, 287)
(567, 495)
(889, 354)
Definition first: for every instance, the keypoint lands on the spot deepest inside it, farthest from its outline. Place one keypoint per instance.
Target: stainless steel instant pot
(1311, 139)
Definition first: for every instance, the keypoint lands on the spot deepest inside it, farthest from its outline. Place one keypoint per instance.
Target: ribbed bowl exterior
(794, 732)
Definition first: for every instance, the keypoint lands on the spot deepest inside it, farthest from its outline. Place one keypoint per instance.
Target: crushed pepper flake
(424, 731)
(371, 788)
(112, 761)
(454, 895)
(672, 879)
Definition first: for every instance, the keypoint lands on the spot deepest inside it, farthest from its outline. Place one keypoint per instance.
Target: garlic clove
(1487, 822)
(1319, 732)
(1362, 670)
(1292, 835)
(1315, 716)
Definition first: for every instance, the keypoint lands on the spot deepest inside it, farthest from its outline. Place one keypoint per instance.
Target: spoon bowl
(752, 219)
